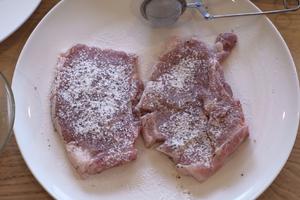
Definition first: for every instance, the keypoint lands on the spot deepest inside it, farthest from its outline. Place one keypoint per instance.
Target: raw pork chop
(93, 99)
(190, 108)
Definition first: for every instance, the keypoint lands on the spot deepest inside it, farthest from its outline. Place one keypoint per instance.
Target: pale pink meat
(93, 107)
(189, 109)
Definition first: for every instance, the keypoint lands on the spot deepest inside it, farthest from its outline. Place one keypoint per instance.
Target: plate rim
(267, 182)
(298, 100)
(22, 22)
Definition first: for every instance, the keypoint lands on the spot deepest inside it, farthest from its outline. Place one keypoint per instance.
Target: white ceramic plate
(13, 13)
(260, 70)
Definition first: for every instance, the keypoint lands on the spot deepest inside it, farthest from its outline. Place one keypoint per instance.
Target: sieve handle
(199, 5)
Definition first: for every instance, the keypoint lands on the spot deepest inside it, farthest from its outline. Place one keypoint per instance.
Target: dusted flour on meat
(189, 109)
(93, 100)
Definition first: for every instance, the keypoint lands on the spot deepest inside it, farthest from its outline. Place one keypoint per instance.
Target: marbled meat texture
(190, 110)
(93, 107)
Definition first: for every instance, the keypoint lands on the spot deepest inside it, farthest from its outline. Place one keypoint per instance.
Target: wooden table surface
(17, 182)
